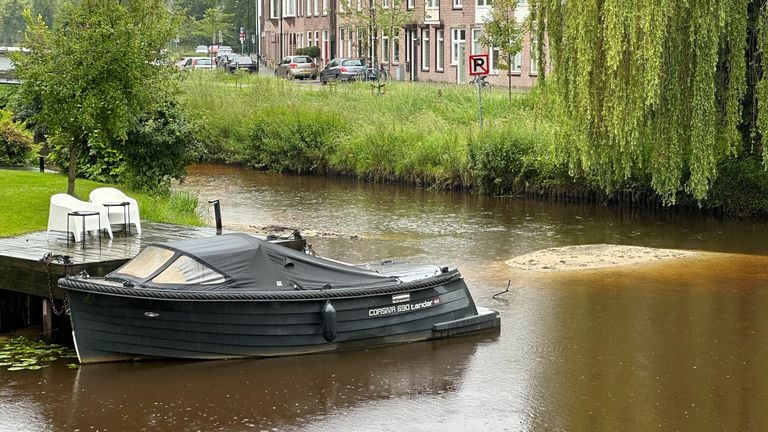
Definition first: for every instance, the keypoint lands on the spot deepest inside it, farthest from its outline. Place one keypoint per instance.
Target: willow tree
(646, 90)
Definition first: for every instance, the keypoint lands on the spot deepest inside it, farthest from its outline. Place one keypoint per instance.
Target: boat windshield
(146, 262)
(186, 271)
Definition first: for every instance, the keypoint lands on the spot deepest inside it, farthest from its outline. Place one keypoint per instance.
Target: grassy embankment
(415, 132)
(25, 198)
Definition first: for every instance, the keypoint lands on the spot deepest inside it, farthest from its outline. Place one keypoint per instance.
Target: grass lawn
(25, 198)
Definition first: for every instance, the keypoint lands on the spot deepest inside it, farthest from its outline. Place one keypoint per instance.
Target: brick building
(435, 47)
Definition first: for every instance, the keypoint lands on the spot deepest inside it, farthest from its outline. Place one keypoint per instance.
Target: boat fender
(328, 318)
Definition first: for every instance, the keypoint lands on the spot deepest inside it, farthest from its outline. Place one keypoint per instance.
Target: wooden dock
(24, 272)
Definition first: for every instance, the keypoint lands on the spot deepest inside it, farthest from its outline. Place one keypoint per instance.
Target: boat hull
(115, 326)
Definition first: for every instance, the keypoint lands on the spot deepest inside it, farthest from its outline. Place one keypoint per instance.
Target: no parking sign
(478, 64)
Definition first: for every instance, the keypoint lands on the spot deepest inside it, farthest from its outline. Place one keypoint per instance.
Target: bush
(16, 146)
(741, 188)
(293, 139)
(501, 161)
(311, 51)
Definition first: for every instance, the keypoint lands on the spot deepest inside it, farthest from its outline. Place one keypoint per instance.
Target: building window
(289, 8)
(317, 38)
(411, 4)
(495, 53)
(342, 35)
(308, 10)
(309, 39)
(425, 50)
(325, 7)
(458, 37)
(458, 4)
(396, 50)
(317, 7)
(439, 50)
(476, 46)
(385, 49)
(385, 4)
(517, 64)
(274, 11)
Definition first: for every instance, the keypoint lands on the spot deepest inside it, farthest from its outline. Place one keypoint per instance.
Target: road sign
(478, 64)
(242, 35)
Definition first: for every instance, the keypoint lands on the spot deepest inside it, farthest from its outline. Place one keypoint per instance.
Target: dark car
(343, 69)
(241, 63)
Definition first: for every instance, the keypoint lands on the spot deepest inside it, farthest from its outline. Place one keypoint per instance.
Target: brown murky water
(681, 345)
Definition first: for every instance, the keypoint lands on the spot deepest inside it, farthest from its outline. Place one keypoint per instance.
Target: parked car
(197, 63)
(241, 63)
(342, 69)
(201, 49)
(298, 66)
(223, 60)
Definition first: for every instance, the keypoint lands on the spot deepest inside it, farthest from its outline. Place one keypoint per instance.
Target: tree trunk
(509, 77)
(72, 165)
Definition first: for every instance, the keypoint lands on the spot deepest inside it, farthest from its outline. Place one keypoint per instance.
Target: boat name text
(400, 308)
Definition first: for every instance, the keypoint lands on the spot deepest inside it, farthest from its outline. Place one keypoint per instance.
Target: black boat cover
(240, 262)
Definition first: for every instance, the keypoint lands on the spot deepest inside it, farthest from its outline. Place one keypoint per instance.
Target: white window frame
(458, 37)
(289, 8)
(425, 49)
(317, 7)
(308, 11)
(439, 50)
(458, 4)
(396, 50)
(411, 4)
(274, 9)
(385, 49)
(325, 7)
(477, 47)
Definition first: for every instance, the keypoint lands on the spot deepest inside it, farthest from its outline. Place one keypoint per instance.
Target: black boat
(234, 295)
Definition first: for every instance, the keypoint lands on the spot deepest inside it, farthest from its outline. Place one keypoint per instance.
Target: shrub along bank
(426, 134)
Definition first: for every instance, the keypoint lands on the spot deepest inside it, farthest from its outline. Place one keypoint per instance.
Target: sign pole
(480, 101)
(478, 66)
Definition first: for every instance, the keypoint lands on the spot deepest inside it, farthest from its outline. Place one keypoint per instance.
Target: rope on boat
(84, 285)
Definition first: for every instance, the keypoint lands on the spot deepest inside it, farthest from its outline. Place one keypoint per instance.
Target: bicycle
(481, 81)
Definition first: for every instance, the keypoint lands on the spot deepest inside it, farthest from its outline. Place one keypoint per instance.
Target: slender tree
(90, 96)
(503, 30)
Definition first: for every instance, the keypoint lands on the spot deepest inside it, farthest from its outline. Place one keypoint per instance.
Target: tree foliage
(96, 72)
(646, 90)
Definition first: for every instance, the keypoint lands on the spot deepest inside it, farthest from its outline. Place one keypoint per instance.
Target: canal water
(676, 345)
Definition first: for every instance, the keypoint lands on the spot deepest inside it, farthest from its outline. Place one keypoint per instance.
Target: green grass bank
(25, 198)
(423, 133)
(420, 133)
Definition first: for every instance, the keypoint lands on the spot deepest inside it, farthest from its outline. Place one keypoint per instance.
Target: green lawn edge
(25, 200)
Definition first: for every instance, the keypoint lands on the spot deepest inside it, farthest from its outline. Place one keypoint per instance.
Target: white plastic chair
(62, 204)
(109, 195)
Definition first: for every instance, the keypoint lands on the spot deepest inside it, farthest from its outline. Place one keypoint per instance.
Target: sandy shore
(585, 257)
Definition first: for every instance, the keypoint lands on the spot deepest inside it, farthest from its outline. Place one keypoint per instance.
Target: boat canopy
(240, 261)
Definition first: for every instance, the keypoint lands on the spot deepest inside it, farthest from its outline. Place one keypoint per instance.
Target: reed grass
(415, 132)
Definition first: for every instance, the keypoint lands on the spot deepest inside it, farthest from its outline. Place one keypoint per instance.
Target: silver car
(298, 66)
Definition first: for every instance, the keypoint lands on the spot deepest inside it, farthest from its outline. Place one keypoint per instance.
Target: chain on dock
(48, 259)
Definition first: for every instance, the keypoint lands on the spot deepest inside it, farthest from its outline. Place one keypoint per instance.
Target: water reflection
(263, 394)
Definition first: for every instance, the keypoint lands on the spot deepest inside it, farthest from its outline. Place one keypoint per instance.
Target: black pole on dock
(217, 214)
